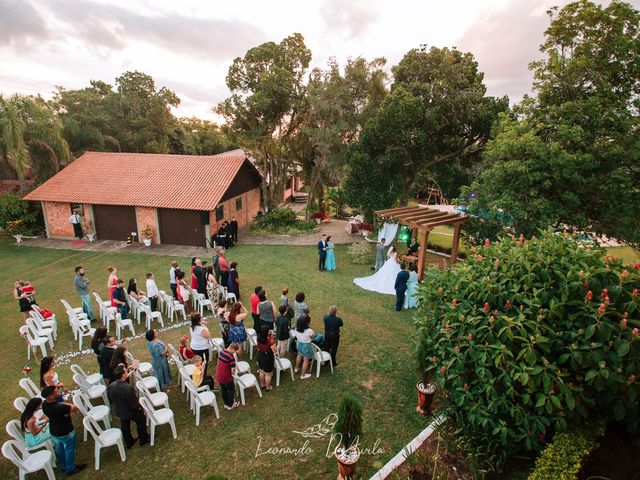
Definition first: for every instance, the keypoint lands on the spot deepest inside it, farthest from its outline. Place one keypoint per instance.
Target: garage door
(114, 222)
(181, 227)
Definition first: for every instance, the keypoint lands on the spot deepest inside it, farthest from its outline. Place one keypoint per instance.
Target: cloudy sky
(189, 45)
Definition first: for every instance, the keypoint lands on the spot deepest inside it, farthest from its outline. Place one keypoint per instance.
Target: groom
(401, 286)
(380, 254)
(322, 251)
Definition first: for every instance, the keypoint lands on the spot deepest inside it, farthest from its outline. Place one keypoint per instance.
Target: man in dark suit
(322, 251)
(401, 286)
(233, 230)
(201, 277)
(124, 400)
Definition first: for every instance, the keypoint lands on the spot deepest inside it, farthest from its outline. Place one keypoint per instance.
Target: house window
(238, 203)
(219, 213)
(77, 207)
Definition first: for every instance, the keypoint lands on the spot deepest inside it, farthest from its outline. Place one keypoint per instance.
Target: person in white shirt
(75, 219)
(173, 283)
(152, 291)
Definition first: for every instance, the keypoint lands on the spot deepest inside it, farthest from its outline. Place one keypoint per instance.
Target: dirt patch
(617, 457)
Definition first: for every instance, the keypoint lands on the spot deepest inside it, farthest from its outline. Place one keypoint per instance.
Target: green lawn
(375, 365)
(627, 254)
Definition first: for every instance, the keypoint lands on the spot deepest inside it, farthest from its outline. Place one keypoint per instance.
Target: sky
(189, 45)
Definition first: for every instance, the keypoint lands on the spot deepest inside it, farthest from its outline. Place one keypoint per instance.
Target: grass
(627, 254)
(375, 358)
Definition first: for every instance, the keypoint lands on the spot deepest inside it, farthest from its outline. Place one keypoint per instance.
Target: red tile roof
(189, 182)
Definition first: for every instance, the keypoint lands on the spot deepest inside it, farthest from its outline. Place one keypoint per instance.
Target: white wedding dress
(384, 280)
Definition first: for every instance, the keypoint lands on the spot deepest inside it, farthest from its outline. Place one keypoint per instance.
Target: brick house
(182, 197)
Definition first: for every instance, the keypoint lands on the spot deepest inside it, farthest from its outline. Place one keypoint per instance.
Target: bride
(383, 281)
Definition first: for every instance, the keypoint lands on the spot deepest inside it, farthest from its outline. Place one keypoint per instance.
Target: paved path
(335, 228)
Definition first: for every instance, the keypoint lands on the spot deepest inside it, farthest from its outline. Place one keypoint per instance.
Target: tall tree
(339, 106)
(202, 137)
(572, 154)
(31, 138)
(265, 107)
(436, 118)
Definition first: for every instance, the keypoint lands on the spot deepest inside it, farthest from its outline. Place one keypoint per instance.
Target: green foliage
(527, 337)
(360, 253)
(563, 458)
(349, 423)
(280, 221)
(13, 208)
(483, 224)
(265, 107)
(570, 155)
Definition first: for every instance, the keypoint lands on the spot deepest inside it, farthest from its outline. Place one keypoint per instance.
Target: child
(197, 376)
(186, 353)
(283, 325)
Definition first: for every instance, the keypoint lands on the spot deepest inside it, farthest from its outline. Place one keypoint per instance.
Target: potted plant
(426, 389)
(349, 427)
(147, 234)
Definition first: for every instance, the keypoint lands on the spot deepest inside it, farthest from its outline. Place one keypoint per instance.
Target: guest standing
(283, 326)
(97, 345)
(224, 375)
(201, 277)
(303, 335)
(152, 291)
(332, 324)
(106, 357)
(112, 281)
(124, 401)
(381, 257)
(233, 230)
(237, 330)
(322, 252)
(215, 262)
(173, 282)
(61, 428)
(411, 295)
(81, 282)
(159, 354)
(254, 300)
(234, 281)
(200, 336)
(266, 355)
(183, 292)
(267, 310)
(299, 307)
(224, 269)
(194, 279)
(76, 221)
(401, 286)
(330, 258)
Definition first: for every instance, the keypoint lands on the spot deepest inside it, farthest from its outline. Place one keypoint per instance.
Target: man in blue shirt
(332, 325)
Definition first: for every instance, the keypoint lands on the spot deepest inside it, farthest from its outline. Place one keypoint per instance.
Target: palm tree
(15, 156)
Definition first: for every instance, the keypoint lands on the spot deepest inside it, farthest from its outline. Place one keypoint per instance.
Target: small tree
(349, 423)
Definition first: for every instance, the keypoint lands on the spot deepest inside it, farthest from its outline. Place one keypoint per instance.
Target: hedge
(565, 456)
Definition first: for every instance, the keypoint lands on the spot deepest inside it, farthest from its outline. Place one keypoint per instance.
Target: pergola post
(456, 243)
(422, 254)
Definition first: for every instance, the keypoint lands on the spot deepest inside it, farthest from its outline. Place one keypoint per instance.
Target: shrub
(563, 458)
(526, 336)
(281, 221)
(349, 422)
(13, 208)
(360, 253)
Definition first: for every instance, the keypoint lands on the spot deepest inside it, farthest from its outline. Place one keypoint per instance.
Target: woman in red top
(266, 355)
(112, 282)
(194, 280)
(223, 264)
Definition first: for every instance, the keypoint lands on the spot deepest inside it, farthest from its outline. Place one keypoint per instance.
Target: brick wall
(58, 214)
(147, 215)
(249, 209)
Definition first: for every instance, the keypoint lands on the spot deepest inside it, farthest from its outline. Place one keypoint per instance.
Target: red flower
(635, 331)
(636, 265)
(470, 337)
(602, 309)
(486, 307)
(492, 319)
(588, 297)
(635, 292)
(487, 242)
(604, 294)
(443, 370)
(457, 349)
(466, 386)
(623, 322)
(454, 303)
(632, 378)
(507, 305)
(479, 258)
(497, 262)
(586, 284)
(624, 274)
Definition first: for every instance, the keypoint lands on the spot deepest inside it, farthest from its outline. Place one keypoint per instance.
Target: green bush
(360, 253)
(13, 208)
(281, 221)
(527, 336)
(564, 457)
(349, 422)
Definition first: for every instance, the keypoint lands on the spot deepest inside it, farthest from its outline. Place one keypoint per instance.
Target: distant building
(182, 197)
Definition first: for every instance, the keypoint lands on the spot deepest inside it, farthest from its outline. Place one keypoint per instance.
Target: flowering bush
(365, 227)
(529, 336)
(360, 253)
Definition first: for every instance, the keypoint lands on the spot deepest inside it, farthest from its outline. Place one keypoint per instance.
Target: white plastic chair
(28, 462)
(203, 302)
(320, 357)
(201, 399)
(76, 318)
(158, 417)
(82, 329)
(151, 382)
(188, 367)
(217, 344)
(245, 381)
(150, 316)
(103, 305)
(122, 323)
(230, 297)
(157, 399)
(92, 379)
(143, 367)
(174, 308)
(20, 403)
(15, 431)
(43, 322)
(100, 413)
(40, 332)
(252, 339)
(33, 342)
(91, 391)
(28, 386)
(104, 438)
(242, 367)
(135, 308)
(282, 364)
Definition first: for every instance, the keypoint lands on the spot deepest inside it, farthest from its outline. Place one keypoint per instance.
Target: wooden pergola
(423, 220)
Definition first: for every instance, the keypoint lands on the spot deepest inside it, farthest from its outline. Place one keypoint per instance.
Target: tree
(339, 105)
(571, 155)
(202, 137)
(265, 107)
(31, 138)
(435, 119)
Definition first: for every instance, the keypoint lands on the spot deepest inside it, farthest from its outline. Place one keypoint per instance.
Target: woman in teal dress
(36, 429)
(158, 351)
(411, 297)
(330, 260)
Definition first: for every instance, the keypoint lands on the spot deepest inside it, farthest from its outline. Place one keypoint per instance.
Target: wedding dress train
(384, 280)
